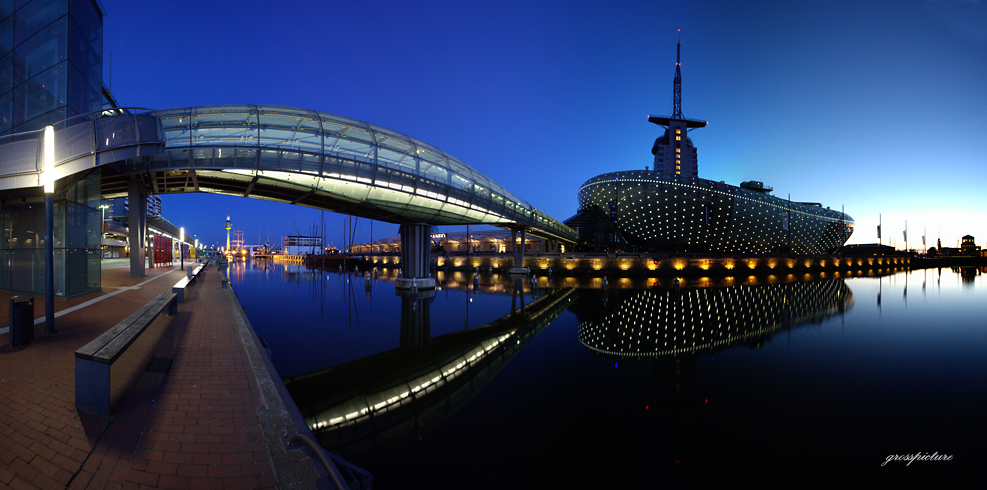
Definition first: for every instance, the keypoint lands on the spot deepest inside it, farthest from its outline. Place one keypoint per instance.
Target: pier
(206, 413)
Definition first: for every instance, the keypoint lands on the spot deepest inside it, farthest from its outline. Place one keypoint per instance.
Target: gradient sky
(877, 106)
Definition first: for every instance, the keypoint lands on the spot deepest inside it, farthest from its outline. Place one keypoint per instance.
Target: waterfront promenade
(211, 420)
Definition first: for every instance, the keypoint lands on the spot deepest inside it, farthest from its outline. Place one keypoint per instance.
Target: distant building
(968, 247)
(301, 245)
(479, 241)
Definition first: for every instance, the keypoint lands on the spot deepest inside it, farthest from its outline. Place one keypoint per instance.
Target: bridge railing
(78, 136)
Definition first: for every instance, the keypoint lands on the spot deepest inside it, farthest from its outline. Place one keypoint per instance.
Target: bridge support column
(137, 201)
(551, 246)
(416, 333)
(518, 252)
(416, 257)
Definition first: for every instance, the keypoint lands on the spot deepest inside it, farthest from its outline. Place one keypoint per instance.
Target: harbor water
(495, 381)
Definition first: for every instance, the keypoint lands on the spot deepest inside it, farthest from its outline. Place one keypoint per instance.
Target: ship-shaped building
(670, 209)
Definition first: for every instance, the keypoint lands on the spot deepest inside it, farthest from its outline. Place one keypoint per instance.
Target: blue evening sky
(877, 106)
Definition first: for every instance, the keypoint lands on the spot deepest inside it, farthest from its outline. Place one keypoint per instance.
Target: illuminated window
(678, 131)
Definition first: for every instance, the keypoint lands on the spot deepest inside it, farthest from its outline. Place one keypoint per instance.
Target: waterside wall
(657, 266)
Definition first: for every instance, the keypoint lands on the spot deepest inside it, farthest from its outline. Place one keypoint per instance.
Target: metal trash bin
(21, 319)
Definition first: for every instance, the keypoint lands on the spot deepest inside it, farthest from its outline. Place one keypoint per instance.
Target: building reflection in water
(369, 408)
(671, 328)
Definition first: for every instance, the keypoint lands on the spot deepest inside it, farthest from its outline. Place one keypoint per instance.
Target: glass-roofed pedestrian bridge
(282, 154)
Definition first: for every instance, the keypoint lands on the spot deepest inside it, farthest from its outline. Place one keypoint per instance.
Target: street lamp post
(181, 247)
(49, 183)
(102, 230)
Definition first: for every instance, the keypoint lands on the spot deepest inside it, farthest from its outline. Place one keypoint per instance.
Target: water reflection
(661, 322)
(371, 407)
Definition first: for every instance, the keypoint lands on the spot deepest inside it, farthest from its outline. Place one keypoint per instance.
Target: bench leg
(173, 307)
(92, 386)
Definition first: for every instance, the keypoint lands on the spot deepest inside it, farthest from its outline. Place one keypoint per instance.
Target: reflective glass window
(82, 96)
(6, 35)
(349, 149)
(6, 8)
(6, 111)
(41, 94)
(36, 15)
(393, 159)
(7, 73)
(90, 22)
(85, 59)
(42, 51)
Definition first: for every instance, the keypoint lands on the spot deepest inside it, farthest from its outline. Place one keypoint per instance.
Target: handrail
(22, 133)
(337, 478)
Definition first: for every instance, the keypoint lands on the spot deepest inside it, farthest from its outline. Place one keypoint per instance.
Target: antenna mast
(677, 103)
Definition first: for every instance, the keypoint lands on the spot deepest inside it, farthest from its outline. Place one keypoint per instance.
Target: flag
(878, 232)
(905, 233)
(923, 240)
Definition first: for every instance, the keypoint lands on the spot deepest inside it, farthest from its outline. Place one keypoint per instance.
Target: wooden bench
(94, 360)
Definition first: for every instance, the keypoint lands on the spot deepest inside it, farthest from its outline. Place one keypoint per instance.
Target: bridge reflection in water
(369, 408)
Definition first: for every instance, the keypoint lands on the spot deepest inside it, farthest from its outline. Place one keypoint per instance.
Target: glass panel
(270, 159)
(290, 161)
(6, 36)
(202, 157)
(82, 97)
(357, 134)
(5, 269)
(246, 158)
(35, 16)
(41, 94)
(6, 111)
(435, 172)
(309, 163)
(85, 59)
(224, 158)
(350, 149)
(392, 159)
(113, 132)
(42, 51)
(394, 140)
(225, 125)
(89, 20)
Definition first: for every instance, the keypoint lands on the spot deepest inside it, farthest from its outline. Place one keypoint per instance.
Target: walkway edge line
(278, 415)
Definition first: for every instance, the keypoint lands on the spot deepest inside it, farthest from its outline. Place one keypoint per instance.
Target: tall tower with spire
(675, 155)
(229, 226)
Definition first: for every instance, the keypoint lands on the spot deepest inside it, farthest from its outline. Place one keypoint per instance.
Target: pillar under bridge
(137, 201)
(416, 255)
(518, 251)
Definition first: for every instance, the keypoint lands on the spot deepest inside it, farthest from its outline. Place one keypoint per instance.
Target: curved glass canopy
(337, 163)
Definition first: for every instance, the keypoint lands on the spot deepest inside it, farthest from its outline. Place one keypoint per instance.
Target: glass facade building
(50, 69)
(51, 65)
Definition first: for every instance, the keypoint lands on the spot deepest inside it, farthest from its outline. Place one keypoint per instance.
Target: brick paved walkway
(196, 426)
